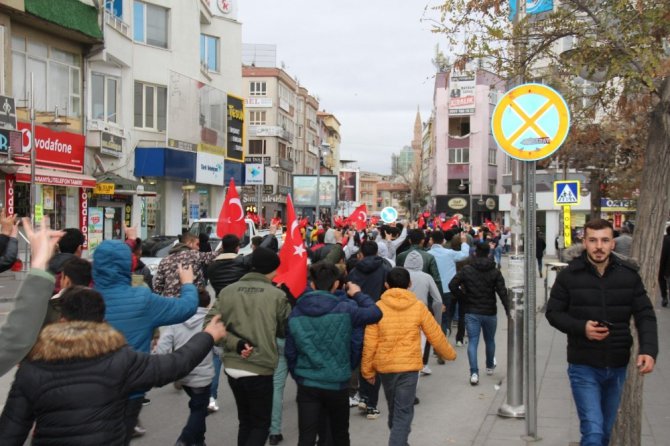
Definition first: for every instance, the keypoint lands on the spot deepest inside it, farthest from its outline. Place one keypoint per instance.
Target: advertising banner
(95, 224)
(83, 216)
(60, 150)
(235, 146)
(462, 93)
(304, 190)
(348, 185)
(209, 169)
(532, 7)
(254, 173)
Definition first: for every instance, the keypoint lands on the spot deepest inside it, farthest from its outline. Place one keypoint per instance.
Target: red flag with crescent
(374, 220)
(231, 216)
(420, 222)
(292, 270)
(453, 221)
(489, 224)
(359, 218)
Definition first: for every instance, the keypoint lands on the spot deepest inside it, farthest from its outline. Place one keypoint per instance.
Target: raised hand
(42, 242)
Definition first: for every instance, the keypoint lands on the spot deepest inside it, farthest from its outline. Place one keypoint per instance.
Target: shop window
(209, 52)
(150, 24)
(150, 106)
(257, 88)
(56, 74)
(104, 97)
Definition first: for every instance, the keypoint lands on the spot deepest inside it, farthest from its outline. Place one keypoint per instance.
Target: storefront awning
(55, 177)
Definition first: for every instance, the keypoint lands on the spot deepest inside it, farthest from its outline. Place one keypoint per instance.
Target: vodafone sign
(59, 150)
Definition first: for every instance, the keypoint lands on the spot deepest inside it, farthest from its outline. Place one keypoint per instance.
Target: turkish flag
(374, 221)
(359, 217)
(437, 222)
(420, 222)
(231, 216)
(489, 224)
(453, 221)
(292, 270)
(339, 221)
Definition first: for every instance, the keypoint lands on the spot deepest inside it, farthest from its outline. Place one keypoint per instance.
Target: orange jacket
(393, 345)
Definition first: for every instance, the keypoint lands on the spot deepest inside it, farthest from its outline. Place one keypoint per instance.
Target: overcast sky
(368, 61)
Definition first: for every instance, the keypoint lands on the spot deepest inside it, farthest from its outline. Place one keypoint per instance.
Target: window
(492, 186)
(493, 153)
(115, 7)
(150, 24)
(104, 95)
(57, 75)
(257, 89)
(257, 117)
(300, 131)
(459, 127)
(150, 106)
(459, 156)
(257, 147)
(282, 151)
(209, 52)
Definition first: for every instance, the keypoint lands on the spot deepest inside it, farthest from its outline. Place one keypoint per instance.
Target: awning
(55, 177)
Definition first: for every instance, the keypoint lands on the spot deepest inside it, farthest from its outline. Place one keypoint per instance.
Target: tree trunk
(652, 212)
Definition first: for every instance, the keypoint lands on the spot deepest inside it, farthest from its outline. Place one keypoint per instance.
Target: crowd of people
(100, 334)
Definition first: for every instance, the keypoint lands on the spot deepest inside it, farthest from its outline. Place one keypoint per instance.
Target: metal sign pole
(530, 294)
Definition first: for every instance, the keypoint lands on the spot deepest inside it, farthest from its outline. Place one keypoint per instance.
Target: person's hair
(203, 298)
(71, 240)
(437, 237)
(597, 224)
(80, 303)
(482, 249)
(188, 238)
(455, 243)
(78, 270)
(351, 263)
(230, 242)
(415, 236)
(625, 230)
(324, 274)
(398, 278)
(369, 248)
(321, 237)
(256, 241)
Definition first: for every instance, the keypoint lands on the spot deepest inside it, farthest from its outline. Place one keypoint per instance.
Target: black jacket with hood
(580, 294)
(370, 274)
(75, 383)
(477, 284)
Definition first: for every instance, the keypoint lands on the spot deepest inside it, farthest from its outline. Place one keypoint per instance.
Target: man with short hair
(69, 246)
(416, 238)
(592, 301)
(624, 242)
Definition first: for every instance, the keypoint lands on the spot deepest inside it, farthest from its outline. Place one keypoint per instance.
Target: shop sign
(60, 150)
(129, 211)
(10, 181)
(458, 203)
(10, 139)
(209, 169)
(609, 205)
(56, 180)
(83, 216)
(39, 213)
(258, 102)
(182, 145)
(268, 189)
(462, 93)
(111, 144)
(104, 189)
(254, 173)
(7, 113)
(235, 147)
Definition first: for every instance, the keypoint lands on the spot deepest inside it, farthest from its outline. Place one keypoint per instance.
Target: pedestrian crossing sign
(566, 193)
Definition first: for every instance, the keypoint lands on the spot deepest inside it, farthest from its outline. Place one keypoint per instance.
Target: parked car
(155, 248)
(208, 226)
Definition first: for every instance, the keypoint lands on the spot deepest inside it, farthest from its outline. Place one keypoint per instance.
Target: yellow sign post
(567, 228)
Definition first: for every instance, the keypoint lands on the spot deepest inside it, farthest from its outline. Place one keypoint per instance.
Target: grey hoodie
(423, 284)
(175, 336)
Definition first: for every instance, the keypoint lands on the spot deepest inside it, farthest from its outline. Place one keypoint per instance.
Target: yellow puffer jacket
(393, 345)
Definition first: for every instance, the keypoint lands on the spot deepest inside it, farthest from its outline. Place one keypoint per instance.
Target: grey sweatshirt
(423, 284)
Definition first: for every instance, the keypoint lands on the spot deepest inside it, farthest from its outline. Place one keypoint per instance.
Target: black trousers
(253, 397)
(131, 416)
(313, 404)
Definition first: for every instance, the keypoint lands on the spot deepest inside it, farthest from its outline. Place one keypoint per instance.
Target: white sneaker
(459, 344)
(213, 406)
(489, 372)
(474, 379)
(353, 400)
(426, 370)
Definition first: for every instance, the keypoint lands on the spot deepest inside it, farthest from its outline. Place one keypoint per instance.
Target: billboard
(462, 93)
(348, 190)
(304, 190)
(532, 7)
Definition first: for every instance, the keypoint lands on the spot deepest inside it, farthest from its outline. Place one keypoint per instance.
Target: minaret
(416, 141)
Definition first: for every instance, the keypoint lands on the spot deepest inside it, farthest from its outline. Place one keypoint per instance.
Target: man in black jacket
(592, 301)
(476, 286)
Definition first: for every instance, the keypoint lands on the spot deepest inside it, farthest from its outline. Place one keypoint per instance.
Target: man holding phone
(592, 301)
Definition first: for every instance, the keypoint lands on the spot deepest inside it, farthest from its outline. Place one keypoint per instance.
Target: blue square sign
(566, 193)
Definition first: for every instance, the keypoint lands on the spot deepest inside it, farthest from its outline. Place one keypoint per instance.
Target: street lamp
(322, 151)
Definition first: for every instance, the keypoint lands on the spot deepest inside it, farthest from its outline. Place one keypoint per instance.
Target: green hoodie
(254, 311)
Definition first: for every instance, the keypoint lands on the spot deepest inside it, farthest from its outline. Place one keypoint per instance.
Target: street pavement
(451, 411)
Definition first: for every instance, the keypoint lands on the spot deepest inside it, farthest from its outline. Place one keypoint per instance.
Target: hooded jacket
(580, 294)
(476, 286)
(423, 284)
(76, 380)
(370, 274)
(324, 337)
(175, 336)
(429, 263)
(166, 281)
(393, 345)
(135, 311)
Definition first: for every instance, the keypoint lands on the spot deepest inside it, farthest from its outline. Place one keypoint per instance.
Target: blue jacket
(324, 337)
(135, 311)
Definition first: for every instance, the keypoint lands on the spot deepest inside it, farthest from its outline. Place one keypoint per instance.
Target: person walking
(592, 301)
(476, 286)
(624, 242)
(540, 246)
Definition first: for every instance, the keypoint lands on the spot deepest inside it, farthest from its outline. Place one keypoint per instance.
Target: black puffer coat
(76, 380)
(370, 274)
(226, 269)
(477, 284)
(580, 294)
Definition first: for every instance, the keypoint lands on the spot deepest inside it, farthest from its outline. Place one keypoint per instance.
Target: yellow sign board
(104, 189)
(39, 213)
(567, 227)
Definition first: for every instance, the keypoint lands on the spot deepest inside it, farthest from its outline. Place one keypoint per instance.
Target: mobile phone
(604, 324)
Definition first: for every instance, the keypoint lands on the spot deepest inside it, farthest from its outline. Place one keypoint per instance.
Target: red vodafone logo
(27, 137)
(9, 193)
(83, 216)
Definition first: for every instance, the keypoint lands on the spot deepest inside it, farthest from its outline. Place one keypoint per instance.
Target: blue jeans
(400, 391)
(278, 381)
(194, 431)
(474, 323)
(597, 393)
(216, 362)
(497, 254)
